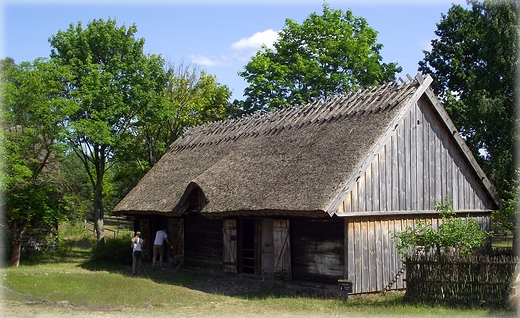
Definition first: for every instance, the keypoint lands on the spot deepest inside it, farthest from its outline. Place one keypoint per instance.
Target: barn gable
(419, 162)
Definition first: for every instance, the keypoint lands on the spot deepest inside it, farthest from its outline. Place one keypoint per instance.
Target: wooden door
(144, 228)
(229, 229)
(266, 241)
(282, 249)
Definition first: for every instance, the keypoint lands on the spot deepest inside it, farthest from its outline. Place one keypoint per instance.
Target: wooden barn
(312, 193)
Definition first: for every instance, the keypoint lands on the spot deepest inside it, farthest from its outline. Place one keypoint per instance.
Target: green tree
(193, 97)
(116, 86)
(454, 235)
(327, 54)
(33, 109)
(473, 62)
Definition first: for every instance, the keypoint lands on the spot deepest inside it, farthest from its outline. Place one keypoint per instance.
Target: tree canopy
(32, 133)
(473, 62)
(115, 86)
(327, 54)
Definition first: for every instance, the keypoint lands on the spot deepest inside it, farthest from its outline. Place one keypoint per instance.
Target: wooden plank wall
(203, 242)
(372, 260)
(416, 169)
(317, 249)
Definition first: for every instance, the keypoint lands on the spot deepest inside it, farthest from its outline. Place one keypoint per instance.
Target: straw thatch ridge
(287, 162)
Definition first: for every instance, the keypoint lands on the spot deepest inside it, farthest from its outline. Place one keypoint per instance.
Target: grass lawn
(78, 287)
(83, 289)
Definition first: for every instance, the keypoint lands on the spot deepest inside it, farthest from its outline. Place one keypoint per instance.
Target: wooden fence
(481, 280)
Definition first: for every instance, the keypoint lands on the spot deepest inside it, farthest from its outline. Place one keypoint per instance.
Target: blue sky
(221, 35)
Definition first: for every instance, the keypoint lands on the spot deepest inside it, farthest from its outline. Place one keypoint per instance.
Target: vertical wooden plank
(455, 191)
(368, 189)
(177, 239)
(267, 247)
(355, 196)
(361, 193)
(407, 163)
(351, 256)
(388, 175)
(426, 162)
(438, 164)
(229, 229)
(371, 261)
(444, 164)
(348, 203)
(432, 164)
(358, 257)
(379, 233)
(376, 184)
(282, 249)
(395, 173)
(401, 154)
(413, 160)
(365, 278)
(420, 157)
(382, 181)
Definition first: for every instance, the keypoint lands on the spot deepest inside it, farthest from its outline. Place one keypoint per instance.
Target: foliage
(473, 62)
(327, 54)
(31, 134)
(115, 250)
(454, 235)
(193, 97)
(115, 86)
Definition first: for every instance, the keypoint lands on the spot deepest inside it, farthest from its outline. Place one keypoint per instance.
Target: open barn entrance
(247, 249)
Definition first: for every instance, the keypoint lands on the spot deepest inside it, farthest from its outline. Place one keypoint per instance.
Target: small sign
(345, 285)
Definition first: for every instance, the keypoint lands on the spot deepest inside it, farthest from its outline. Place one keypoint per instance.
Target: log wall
(317, 250)
(203, 242)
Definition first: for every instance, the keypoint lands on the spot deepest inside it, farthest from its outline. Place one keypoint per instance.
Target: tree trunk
(17, 233)
(15, 256)
(99, 213)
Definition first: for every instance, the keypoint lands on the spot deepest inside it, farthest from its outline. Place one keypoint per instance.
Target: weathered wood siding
(144, 228)
(372, 260)
(203, 242)
(282, 249)
(416, 168)
(317, 249)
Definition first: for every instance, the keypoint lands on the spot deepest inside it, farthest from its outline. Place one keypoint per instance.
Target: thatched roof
(292, 161)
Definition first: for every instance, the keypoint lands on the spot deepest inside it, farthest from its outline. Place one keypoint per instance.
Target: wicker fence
(479, 280)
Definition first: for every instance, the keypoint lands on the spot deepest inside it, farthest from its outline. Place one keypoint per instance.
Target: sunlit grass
(36, 289)
(84, 285)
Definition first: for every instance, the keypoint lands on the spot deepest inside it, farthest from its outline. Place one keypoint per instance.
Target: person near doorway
(137, 250)
(160, 238)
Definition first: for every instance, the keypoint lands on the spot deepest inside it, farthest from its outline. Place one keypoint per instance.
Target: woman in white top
(137, 251)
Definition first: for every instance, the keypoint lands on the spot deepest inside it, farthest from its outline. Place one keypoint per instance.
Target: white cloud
(254, 43)
(243, 49)
(206, 61)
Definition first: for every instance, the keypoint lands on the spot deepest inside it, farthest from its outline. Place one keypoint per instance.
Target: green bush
(115, 249)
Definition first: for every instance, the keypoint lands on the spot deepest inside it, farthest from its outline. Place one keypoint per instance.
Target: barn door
(229, 229)
(281, 249)
(144, 227)
(176, 225)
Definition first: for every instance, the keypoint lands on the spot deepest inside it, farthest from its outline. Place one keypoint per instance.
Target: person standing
(137, 251)
(160, 238)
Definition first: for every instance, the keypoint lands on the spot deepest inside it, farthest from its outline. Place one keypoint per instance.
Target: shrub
(115, 249)
(455, 235)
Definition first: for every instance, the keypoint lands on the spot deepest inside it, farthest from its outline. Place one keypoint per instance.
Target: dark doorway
(247, 254)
